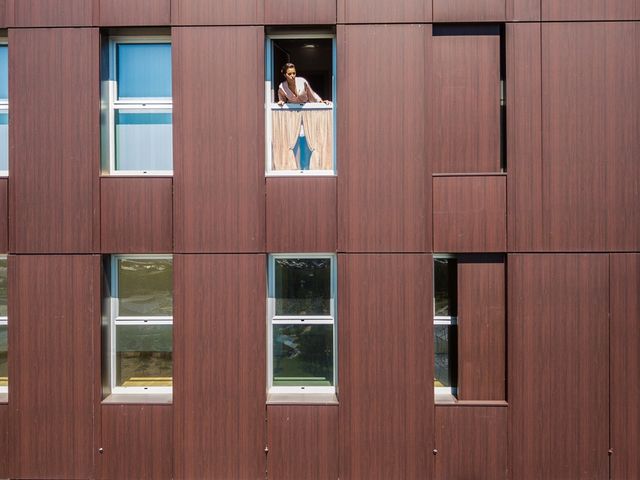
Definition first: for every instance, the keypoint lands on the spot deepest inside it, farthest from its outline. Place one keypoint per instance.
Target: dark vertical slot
(503, 99)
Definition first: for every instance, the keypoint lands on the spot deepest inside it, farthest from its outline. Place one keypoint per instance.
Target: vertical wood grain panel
(625, 366)
(376, 11)
(463, 103)
(6, 15)
(219, 196)
(135, 12)
(54, 13)
(54, 138)
(481, 328)
(524, 138)
(522, 10)
(136, 215)
(558, 343)
(220, 12)
(590, 10)
(301, 214)
(54, 309)
(294, 12)
(303, 442)
(385, 344)
(4, 215)
(471, 442)
(468, 10)
(384, 203)
(4, 440)
(469, 214)
(219, 366)
(137, 442)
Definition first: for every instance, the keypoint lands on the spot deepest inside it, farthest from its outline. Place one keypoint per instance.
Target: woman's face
(290, 74)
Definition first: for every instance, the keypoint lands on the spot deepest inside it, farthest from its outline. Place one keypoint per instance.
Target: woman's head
(289, 71)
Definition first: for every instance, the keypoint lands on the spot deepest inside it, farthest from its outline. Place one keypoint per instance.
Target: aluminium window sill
(138, 399)
(448, 400)
(4, 398)
(302, 399)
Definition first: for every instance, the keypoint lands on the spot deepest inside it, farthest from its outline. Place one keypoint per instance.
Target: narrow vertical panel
(590, 10)
(4, 440)
(4, 215)
(522, 10)
(481, 328)
(384, 203)
(469, 214)
(137, 442)
(303, 442)
(294, 12)
(558, 343)
(625, 366)
(220, 12)
(376, 11)
(219, 197)
(135, 12)
(6, 15)
(219, 366)
(471, 442)
(136, 215)
(385, 344)
(576, 148)
(468, 10)
(524, 138)
(54, 13)
(464, 100)
(301, 214)
(54, 308)
(54, 137)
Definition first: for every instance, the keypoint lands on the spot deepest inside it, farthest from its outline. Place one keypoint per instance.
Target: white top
(303, 93)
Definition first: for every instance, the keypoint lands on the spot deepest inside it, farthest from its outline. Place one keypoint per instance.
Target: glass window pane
(302, 355)
(4, 72)
(445, 287)
(144, 355)
(3, 287)
(144, 70)
(4, 141)
(145, 287)
(4, 371)
(303, 286)
(144, 141)
(444, 346)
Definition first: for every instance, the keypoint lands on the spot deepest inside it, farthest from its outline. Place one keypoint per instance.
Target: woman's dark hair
(286, 67)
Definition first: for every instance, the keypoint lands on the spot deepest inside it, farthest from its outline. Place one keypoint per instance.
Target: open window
(300, 131)
(4, 371)
(4, 107)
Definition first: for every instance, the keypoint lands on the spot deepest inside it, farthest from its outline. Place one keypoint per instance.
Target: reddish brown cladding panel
(376, 11)
(471, 442)
(134, 12)
(54, 308)
(590, 10)
(468, 10)
(4, 215)
(219, 186)
(136, 215)
(301, 214)
(6, 15)
(220, 12)
(385, 344)
(524, 138)
(137, 442)
(294, 12)
(4, 440)
(303, 442)
(481, 328)
(558, 344)
(219, 366)
(53, 185)
(463, 106)
(522, 10)
(54, 13)
(470, 214)
(384, 204)
(625, 366)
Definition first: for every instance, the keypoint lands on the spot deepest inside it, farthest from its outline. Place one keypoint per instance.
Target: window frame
(4, 320)
(273, 319)
(268, 105)
(131, 105)
(115, 320)
(446, 320)
(4, 107)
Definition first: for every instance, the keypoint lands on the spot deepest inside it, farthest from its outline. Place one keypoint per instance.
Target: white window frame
(4, 109)
(116, 319)
(4, 322)
(449, 320)
(269, 105)
(273, 319)
(132, 105)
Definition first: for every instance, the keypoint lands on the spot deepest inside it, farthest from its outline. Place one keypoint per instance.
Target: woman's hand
(326, 102)
(280, 103)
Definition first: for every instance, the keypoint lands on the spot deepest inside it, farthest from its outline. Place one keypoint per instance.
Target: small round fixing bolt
(435, 451)
(610, 452)
(101, 450)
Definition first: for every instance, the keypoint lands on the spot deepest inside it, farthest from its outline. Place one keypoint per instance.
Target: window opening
(445, 320)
